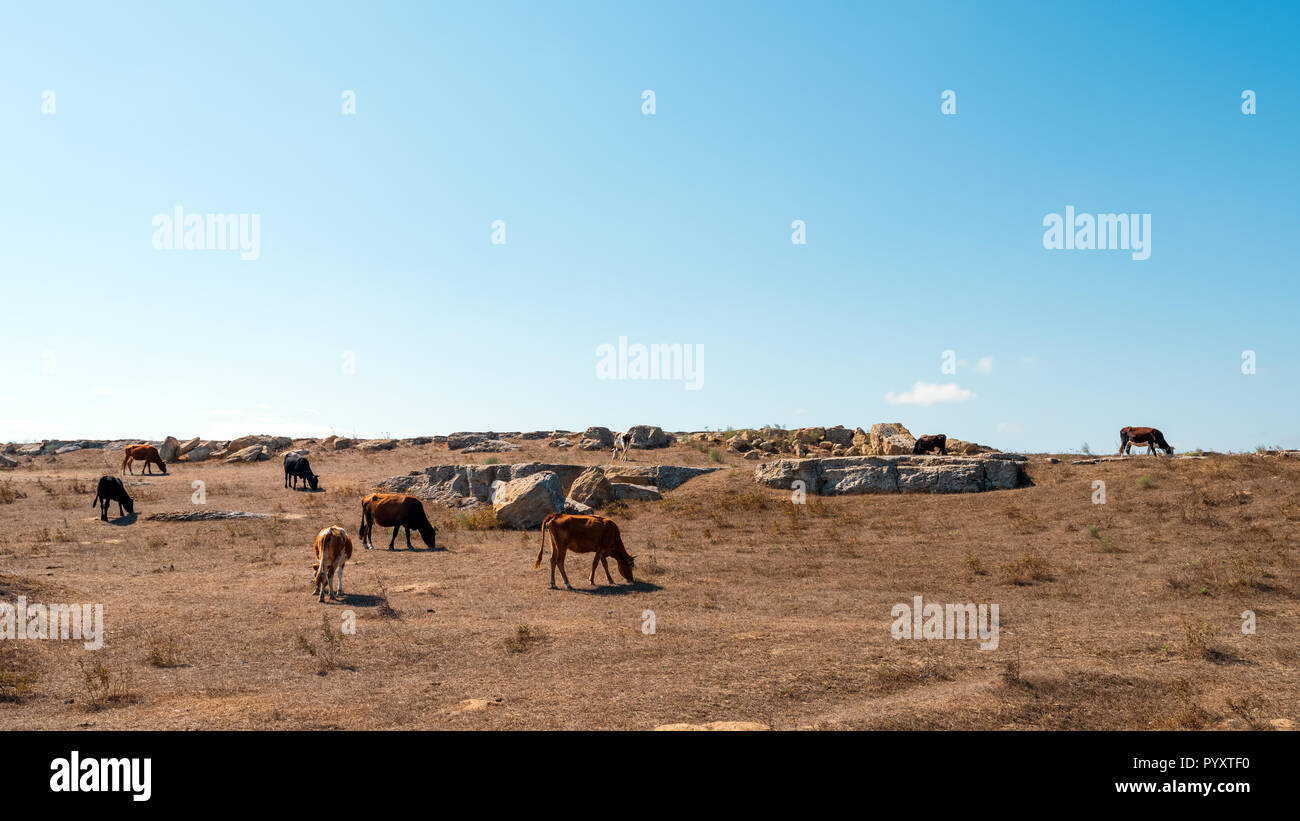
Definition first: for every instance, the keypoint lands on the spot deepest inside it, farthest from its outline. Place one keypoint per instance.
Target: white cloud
(984, 365)
(925, 393)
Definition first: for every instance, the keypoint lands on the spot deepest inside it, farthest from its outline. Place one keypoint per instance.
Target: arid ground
(1123, 615)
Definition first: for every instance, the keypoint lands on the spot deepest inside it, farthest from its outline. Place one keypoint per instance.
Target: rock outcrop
(837, 476)
(471, 485)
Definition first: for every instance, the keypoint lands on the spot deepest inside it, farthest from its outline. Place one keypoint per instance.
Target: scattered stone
(475, 705)
(560, 443)
(252, 453)
(372, 445)
(7, 462)
(724, 726)
(205, 516)
(343, 443)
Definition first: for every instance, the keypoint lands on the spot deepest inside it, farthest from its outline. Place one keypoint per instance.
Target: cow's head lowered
(313, 481)
(626, 561)
(429, 533)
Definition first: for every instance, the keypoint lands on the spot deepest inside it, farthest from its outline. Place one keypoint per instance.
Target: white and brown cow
(622, 441)
(333, 549)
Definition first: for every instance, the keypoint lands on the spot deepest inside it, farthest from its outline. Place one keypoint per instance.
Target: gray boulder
(252, 453)
(592, 488)
(649, 436)
(523, 503)
(634, 493)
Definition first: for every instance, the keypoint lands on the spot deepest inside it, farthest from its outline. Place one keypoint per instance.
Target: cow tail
(96, 501)
(537, 564)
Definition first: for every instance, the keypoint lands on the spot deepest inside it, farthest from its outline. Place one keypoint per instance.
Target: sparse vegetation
(483, 518)
(779, 604)
(104, 685)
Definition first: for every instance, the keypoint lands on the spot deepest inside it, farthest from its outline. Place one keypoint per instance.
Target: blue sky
(924, 230)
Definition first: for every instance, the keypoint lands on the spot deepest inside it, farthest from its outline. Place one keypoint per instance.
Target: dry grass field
(1125, 615)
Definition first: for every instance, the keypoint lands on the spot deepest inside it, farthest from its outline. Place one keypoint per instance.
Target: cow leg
(408, 538)
(604, 562)
(103, 512)
(340, 580)
(557, 558)
(595, 560)
(393, 540)
(319, 592)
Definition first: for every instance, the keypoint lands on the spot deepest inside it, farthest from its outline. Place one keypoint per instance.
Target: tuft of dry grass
(524, 638)
(483, 518)
(105, 685)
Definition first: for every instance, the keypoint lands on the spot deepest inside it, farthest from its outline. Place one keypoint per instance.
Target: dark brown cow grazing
(395, 510)
(584, 534)
(936, 441)
(333, 548)
(142, 453)
(111, 489)
(1152, 438)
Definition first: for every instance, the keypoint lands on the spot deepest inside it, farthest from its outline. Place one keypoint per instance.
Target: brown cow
(395, 510)
(936, 441)
(1152, 438)
(142, 453)
(584, 534)
(333, 548)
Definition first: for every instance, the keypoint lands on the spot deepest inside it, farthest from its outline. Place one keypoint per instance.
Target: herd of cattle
(570, 533)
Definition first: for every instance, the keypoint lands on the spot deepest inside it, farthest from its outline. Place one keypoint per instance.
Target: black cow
(925, 444)
(299, 468)
(111, 489)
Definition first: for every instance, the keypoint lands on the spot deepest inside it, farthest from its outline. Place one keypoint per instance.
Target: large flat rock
(467, 485)
(846, 475)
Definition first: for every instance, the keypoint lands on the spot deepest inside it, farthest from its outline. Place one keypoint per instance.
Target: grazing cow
(111, 489)
(622, 441)
(936, 441)
(299, 468)
(584, 534)
(142, 453)
(1152, 438)
(395, 510)
(333, 548)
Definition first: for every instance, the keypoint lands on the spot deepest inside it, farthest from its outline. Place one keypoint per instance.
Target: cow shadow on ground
(358, 600)
(123, 521)
(619, 589)
(305, 489)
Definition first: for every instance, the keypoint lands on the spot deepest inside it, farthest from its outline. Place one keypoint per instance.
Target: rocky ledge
(839, 476)
(471, 485)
